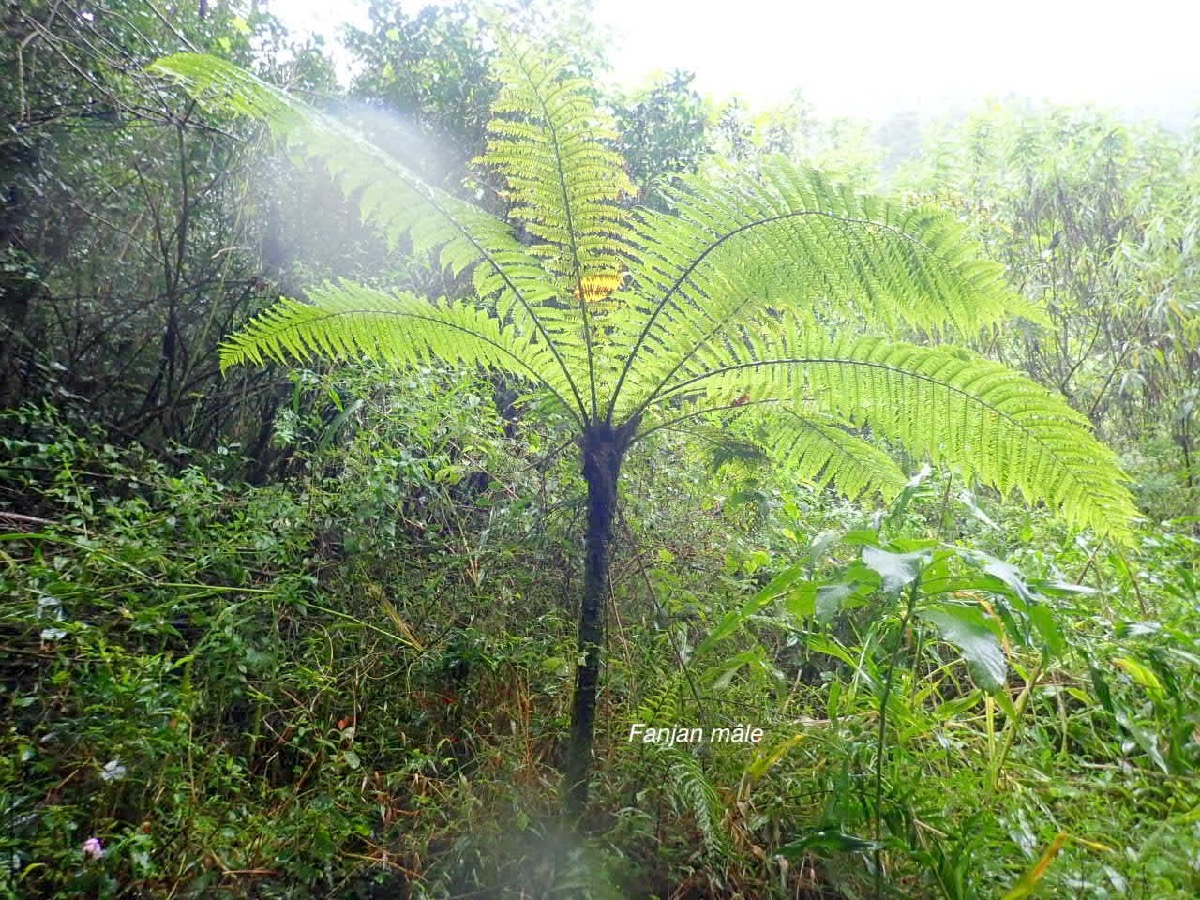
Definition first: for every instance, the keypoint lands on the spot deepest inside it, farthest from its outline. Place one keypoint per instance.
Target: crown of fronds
(749, 298)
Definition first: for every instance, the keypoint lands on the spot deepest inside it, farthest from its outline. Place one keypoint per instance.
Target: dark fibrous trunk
(603, 450)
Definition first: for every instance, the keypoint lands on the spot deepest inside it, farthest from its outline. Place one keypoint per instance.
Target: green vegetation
(670, 424)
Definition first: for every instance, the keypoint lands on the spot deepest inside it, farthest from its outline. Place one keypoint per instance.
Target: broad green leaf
(768, 758)
(1006, 572)
(734, 620)
(829, 841)
(1062, 588)
(952, 708)
(1046, 624)
(897, 570)
(1144, 738)
(1137, 629)
(820, 544)
(827, 645)
(823, 601)
(863, 537)
(732, 666)
(967, 500)
(781, 582)
(968, 629)
(830, 598)
(802, 602)
(1141, 674)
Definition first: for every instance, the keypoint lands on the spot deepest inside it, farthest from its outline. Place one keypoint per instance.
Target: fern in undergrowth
(693, 792)
(689, 787)
(663, 704)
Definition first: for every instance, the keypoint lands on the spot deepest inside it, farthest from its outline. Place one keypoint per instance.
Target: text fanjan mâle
(737, 734)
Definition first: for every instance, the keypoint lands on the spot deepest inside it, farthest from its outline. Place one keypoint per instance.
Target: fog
(873, 59)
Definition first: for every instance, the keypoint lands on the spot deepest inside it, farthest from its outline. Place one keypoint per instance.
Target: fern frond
(459, 235)
(810, 446)
(721, 445)
(345, 321)
(819, 450)
(784, 238)
(554, 151)
(663, 705)
(692, 790)
(953, 406)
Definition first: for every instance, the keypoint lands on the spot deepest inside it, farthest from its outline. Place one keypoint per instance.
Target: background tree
(664, 131)
(1094, 218)
(125, 243)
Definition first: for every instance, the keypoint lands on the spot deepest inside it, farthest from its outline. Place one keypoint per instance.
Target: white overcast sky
(871, 57)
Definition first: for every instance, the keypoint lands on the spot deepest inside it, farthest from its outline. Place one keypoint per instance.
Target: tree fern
(687, 784)
(760, 294)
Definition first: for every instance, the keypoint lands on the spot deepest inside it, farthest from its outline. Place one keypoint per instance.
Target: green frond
(393, 197)
(735, 251)
(950, 405)
(819, 450)
(345, 321)
(810, 446)
(663, 704)
(722, 445)
(692, 790)
(554, 151)
(459, 235)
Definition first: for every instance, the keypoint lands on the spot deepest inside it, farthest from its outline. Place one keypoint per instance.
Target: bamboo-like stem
(881, 736)
(1010, 732)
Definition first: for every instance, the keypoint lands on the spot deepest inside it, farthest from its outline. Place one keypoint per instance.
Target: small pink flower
(93, 849)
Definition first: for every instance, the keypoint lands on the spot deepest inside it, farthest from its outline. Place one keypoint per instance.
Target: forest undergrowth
(355, 682)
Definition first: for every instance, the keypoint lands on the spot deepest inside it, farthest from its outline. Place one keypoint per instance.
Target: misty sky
(871, 57)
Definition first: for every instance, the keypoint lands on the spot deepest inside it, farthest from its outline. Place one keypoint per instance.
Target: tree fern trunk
(603, 451)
